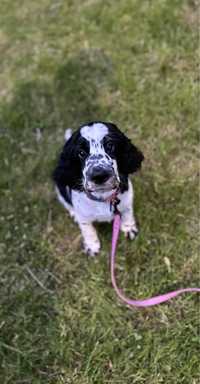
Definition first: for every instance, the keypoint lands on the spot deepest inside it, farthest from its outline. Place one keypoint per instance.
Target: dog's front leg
(128, 223)
(90, 238)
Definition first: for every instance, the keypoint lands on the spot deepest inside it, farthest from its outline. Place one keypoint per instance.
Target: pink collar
(137, 303)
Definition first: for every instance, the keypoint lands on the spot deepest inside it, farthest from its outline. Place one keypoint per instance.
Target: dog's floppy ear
(68, 170)
(128, 156)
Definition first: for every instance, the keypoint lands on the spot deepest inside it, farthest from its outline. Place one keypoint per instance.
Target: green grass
(62, 63)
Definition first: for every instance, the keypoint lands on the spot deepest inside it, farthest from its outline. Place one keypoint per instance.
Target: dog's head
(96, 158)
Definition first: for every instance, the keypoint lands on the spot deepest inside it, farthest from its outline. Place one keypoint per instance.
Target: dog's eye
(82, 154)
(110, 147)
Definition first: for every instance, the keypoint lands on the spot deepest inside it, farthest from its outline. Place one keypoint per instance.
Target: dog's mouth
(112, 183)
(102, 192)
(101, 189)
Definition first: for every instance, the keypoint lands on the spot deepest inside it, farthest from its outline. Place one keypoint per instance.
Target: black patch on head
(127, 155)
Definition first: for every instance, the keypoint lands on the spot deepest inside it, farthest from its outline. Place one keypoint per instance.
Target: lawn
(135, 63)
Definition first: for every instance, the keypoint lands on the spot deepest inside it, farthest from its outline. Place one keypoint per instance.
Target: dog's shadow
(32, 125)
(78, 84)
(42, 108)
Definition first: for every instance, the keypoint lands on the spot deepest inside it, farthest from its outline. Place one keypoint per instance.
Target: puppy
(94, 166)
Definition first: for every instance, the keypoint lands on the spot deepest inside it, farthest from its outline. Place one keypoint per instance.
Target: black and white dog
(94, 166)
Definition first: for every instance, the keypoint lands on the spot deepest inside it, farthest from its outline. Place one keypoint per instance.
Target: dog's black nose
(100, 175)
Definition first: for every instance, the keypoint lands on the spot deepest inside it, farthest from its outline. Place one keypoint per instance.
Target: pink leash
(137, 303)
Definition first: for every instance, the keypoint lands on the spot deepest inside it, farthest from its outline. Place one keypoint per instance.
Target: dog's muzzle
(100, 176)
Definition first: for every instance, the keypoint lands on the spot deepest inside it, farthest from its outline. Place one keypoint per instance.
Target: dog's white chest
(90, 210)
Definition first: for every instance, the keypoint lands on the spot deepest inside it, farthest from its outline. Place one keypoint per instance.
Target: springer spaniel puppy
(93, 167)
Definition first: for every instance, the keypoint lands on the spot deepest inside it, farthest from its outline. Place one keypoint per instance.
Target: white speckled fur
(95, 134)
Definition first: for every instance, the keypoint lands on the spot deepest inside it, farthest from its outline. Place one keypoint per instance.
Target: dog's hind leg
(68, 134)
(67, 205)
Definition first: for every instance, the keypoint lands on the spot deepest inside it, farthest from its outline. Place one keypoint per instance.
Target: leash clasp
(114, 203)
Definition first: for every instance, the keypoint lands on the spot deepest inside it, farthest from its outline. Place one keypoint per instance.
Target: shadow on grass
(30, 288)
(67, 98)
(34, 120)
(77, 85)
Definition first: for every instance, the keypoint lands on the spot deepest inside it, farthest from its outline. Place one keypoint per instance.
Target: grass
(62, 63)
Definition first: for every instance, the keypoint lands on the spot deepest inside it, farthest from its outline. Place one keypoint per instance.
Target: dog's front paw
(130, 230)
(92, 249)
